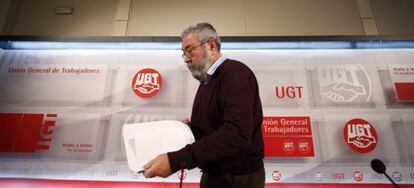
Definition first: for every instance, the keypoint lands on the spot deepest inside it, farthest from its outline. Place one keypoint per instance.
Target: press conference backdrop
(329, 107)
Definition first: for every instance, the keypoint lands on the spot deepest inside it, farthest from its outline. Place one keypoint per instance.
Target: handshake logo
(344, 84)
(147, 83)
(360, 135)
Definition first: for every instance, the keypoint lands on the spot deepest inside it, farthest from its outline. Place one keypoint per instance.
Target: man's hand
(186, 120)
(160, 166)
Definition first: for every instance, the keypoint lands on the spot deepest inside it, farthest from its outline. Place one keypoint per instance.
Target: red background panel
(274, 147)
(405, 91)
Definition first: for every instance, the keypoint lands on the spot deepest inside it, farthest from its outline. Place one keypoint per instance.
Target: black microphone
(379, 167)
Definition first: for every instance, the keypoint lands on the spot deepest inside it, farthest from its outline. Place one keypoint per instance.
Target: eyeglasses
(190, 53)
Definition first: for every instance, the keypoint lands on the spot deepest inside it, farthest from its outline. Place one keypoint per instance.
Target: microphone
(379, 167)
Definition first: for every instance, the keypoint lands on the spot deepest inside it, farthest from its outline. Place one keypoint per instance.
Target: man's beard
(199, 70)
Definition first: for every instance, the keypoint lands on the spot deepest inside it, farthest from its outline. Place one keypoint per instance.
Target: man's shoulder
(232, 62)
(234, 65)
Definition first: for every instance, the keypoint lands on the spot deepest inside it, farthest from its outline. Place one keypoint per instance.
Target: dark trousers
(252, 180)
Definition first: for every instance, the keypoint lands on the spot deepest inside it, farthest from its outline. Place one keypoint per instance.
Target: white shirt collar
(216, 64)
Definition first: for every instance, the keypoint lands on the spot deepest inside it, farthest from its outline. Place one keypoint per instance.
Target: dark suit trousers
(252, 180)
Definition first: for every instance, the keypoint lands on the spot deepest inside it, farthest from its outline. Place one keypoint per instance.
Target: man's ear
(212, 44)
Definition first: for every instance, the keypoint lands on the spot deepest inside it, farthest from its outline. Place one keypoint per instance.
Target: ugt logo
(360, 135)
(147, 83)
(345, 84)
(358, 176)
(276, 175)
(25, 132)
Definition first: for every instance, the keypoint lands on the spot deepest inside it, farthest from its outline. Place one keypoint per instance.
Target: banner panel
(62, 111)
(63, 136)
(45, 78)
(287, 137)
(358, 138)
(402, 76)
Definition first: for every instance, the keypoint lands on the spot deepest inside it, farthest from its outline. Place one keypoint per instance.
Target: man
(226, 118)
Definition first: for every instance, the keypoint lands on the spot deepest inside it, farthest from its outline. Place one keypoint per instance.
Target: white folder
(144, 141)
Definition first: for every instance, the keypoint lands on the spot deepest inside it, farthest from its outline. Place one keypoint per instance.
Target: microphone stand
(182, 177)
(392, 181)
(379, 167)
(182, 164)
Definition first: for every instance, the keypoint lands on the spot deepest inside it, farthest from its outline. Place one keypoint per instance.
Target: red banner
(287, 137)
(25, 132)
(405, 91)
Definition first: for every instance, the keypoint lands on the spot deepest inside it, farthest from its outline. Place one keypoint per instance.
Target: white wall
(230, 17)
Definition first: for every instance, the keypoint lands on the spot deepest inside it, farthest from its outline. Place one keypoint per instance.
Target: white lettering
(359, 130)
(145, 78)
